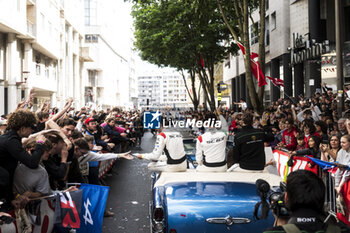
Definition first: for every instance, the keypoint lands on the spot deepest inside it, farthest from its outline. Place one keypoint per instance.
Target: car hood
(190, 204)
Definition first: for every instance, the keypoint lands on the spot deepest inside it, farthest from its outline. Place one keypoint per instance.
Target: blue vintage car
(207, 202)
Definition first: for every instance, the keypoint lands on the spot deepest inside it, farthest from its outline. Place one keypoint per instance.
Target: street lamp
(25, 75)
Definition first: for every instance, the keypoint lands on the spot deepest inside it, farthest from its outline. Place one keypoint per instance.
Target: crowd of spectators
(42, 151)
(301, 126)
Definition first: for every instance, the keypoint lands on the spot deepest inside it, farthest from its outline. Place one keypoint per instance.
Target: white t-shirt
(343, 157)
(244, 106)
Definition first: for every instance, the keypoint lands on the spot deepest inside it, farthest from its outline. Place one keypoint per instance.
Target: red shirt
(232, 126)
(306, 139)
(289, 139)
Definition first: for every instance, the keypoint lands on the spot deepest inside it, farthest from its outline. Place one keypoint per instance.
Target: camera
(277, 203)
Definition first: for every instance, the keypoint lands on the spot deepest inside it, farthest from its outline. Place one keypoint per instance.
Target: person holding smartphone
(329, 149)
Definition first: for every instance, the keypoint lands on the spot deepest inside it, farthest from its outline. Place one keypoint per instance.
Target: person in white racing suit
(210, 147)
(171, 143)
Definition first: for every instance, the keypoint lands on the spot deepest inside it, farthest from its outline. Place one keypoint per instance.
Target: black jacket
(249, 149)
(307, 220)
(12, 152)
(110, 132)
(97, 137)
(309, 151)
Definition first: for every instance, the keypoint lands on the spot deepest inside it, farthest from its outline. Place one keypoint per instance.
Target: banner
(46, 214)
(282, 158)
(68, 208)
(93, 207)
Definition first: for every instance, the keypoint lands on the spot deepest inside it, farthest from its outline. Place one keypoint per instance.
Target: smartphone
(324, 142)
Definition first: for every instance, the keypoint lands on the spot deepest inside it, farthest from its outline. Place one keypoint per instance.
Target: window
(43, 21)
(90, 12)
(37, 68)
(47, 72)
(347, 21)
(228, 61)
(266, 5)
(91, 38)
(254, 32)
(267, 31)
(273, 21)
(50, 28)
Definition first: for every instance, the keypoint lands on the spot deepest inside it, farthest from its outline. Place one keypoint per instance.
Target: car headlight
(158, 227)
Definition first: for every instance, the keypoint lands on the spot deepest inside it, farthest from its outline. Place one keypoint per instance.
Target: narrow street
(130, 193)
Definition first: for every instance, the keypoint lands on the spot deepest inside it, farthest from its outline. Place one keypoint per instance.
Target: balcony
(85, 54)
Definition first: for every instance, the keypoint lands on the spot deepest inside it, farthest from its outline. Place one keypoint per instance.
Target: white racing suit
(210, 149)
(172, 145)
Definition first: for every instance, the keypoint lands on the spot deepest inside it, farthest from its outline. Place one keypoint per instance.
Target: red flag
(345, 191)
(241, 47)
(255, 66)
(256, 70)
(276, 81)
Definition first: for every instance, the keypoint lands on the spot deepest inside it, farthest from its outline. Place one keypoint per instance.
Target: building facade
(162, 90)
(40, 44)
(300, 49)
(110, 80)
(65, 49)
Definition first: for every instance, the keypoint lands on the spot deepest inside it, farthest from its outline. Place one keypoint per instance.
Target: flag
(300, 163)
(67, 209)
(329, 165)
(256, 70)
(323, 164)
(255, 66)
(93, 207)
(345, 191)
(276, 81)
(241, 47)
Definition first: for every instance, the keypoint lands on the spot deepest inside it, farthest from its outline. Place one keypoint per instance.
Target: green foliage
(178, 33)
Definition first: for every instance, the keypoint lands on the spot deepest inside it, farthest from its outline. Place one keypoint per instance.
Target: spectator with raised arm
(20, 125)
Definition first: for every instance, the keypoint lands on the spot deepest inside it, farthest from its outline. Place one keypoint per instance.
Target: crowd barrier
(105, 167)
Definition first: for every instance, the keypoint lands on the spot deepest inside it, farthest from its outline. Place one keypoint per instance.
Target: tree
(239, 28)
(194, 96)
(184, 34)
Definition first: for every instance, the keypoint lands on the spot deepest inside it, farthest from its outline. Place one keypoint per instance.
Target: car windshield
(189, 146)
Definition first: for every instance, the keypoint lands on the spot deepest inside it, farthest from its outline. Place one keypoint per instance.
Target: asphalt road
(130, 193)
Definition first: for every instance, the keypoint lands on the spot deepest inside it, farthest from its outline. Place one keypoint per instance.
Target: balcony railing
(31, 28)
